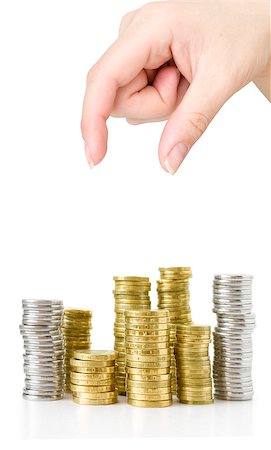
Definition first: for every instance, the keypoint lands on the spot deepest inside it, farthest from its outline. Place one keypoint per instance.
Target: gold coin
(198, 382)
(183, 389)
(147, 339)
(149, 321)
(201, 402)
(147, 326)
(147, 371)
(185, 359)
(101, 388)
(95, 355)
(146, 345)
(150, 398)
(96, 395)
(194, 374)
(131, 278)
(88, 401)
(197, 398)
(150, 313)
(150, 358)
(77, 312)
(106, 382)
(149, 390)
(89, 363)
(147, 332)
(148, 352)
(149, 378)
(146, 404)
(148, 365)
(89, 370)
(195, 328)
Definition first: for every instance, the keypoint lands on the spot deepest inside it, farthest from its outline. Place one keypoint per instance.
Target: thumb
(188, 122)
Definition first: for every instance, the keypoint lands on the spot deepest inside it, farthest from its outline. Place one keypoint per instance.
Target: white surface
(65, 231)
(68, 420)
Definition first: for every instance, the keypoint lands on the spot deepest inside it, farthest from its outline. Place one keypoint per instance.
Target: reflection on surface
(65, 419)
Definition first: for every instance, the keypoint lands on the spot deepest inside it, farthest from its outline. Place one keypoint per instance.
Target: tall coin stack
(76, 332)
(43, 349)
(173, 295)
(232, 297)
(148, 358)
(131, 293)
(93, 377)
(193, 364)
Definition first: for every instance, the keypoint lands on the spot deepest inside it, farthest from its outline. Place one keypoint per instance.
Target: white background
(66, 230)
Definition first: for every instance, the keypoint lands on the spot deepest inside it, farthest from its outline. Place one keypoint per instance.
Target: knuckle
(125, 21)
(197, 123)
(93, 74)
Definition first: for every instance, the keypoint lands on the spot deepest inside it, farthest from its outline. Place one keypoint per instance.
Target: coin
(232, 297)
(43, 349)
(149, 404)
(88, 401)
(130, 293)
(76, 326)
(143, 354)
(194, 383)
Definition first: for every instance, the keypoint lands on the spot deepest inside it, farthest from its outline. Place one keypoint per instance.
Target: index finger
(116, 68)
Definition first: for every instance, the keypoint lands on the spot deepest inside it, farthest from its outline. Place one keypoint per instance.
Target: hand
(179, 61)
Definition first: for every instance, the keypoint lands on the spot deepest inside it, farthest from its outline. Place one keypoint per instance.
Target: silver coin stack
(43, 349)
(232, 297)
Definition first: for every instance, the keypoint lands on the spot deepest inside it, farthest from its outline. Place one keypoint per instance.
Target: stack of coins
(173, 295)
(131, 293)
(193, 364)
(148, 358)
(93, 377)
(232, 297)
(76, 331)
(173, 370)
(43, 349)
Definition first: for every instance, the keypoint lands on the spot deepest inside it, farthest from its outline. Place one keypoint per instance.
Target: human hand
(180, 61)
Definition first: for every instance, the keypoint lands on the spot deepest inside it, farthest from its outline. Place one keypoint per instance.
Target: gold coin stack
(173, 295)
(93, 377)
(173, 370)
(148, 358)
(76, 328)
(193, 364)
(131, 293)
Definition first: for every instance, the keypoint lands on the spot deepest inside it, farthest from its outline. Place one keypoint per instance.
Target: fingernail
(89, 158)
(175, 157)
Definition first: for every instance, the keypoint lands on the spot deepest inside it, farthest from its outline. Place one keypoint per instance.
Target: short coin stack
(93, 377)
(173, 295)
(232, 297)
(131, 293)
(44, 349)
(193, 364)
(76, 331)
(148, 358)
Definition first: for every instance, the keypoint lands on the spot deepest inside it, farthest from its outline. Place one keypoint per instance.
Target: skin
(178, 61)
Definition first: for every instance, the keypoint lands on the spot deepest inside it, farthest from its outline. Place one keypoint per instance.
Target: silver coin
(41, 358)
(48, 378)
(49, 393)
(233, 276)
(38, 302)
(44, 341)
(42, 397)
(39, 329)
